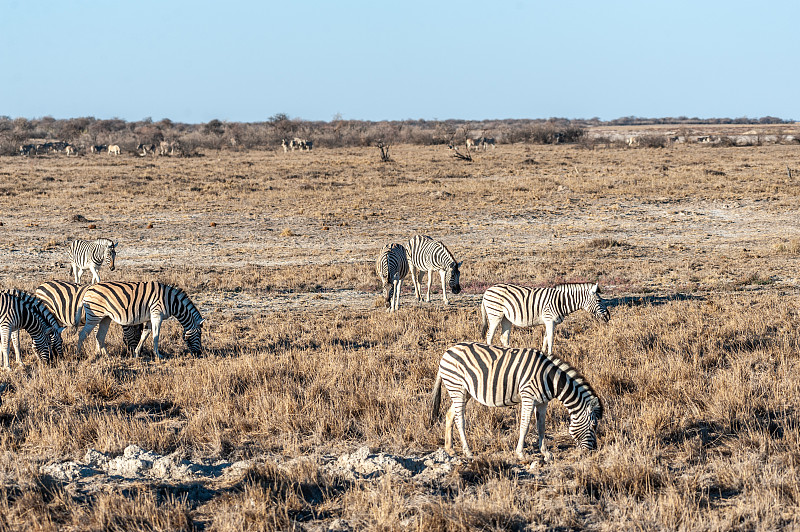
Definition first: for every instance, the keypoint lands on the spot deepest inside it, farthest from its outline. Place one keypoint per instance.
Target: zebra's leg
(5, 347)
(430, 279)
(95, 277)
(444, 292)
(458, 406)
(91, 322)
(493, 323)
(15, 341)
(145, 335)
(448, 430)
(547, 337)
(396, 296)
(155, 321)
(506, 333)
(524, 424)
(541, 412)
(100, 337)
(76, 273)
(415, 273)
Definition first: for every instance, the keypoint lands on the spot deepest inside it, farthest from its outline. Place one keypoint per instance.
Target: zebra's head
(56, 342)
(594, 304)
(192, 336)
(583, 424)
(388, 293)
(454, 276)
(110, 255)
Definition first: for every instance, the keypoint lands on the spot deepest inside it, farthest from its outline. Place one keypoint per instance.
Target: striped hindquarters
(392, 264)
(64, 299)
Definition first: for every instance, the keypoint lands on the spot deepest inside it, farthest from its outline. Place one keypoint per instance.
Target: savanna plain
(307, 409)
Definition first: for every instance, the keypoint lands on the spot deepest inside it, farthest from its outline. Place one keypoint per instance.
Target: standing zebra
(85, 254)
(525, 307)
(65, 301)
(135, 303)
(16, 314)
(427, 255)
(502, 376)
(52, 327)
(392, 267)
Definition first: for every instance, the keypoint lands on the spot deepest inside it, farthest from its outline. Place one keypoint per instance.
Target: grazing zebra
(502, 376)
(135, 303)
(86, 254)
(427, 255)
(16, 314)
(392, 267)
(65, 301)
(525, 307)
(52, 327)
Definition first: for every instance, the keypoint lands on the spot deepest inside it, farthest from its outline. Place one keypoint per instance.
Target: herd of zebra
(139, 307)
(494, 376)
(501, 376)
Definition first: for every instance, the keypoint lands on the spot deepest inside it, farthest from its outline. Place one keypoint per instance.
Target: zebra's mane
(104, 242)
(584, 388)
(449, 253)
(573, 286)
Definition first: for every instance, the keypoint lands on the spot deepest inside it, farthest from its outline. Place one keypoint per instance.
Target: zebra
(52, 326)
(65, 300)
(428, 255)
(16, 314)
(525, 307)
(392, 267)
(135, 303)
(502, 376)
(90, 254)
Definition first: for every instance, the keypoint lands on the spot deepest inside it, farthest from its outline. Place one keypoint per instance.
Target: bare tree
(384, 148)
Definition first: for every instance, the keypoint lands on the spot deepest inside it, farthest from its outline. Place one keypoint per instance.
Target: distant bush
(653, 141)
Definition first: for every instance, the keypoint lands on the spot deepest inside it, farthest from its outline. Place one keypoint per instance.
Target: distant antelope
(632, 142)
(114, 149)
(70, 150)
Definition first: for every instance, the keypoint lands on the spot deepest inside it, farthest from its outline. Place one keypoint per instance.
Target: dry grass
(698, 367)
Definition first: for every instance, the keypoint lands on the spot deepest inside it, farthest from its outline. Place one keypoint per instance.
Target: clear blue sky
(237, 60)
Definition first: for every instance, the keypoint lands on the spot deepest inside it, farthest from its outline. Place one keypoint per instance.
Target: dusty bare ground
(311, 399)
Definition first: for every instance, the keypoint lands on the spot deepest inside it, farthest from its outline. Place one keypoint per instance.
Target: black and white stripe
(392, 267)
(525, 307)
(501, 376)
(428, 255)
(135, 303)
(65, 300)
(86, 254)
(17, 314)
(52, 327)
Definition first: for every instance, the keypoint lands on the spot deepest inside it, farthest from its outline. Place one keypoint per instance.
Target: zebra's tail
(484, 323)
(436, 400)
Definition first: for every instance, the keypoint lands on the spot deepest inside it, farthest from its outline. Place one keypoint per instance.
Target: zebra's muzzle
(456, 289)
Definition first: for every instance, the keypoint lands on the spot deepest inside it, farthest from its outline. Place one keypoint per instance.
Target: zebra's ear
(460, 263)
(595, 288)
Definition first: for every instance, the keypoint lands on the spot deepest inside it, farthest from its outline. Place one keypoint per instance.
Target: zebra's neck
(567, 385)
(181, 307)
